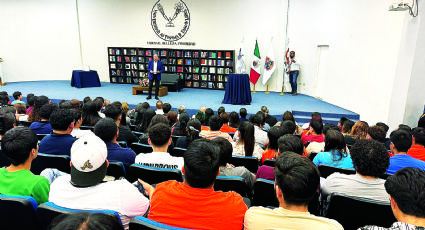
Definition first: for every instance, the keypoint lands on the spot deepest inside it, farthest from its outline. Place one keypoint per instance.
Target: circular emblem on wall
(170, 19)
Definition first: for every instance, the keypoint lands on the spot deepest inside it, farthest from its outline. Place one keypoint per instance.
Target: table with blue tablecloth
(84, 79)
(238, 91)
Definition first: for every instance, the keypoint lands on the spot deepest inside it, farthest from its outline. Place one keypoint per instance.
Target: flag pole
(267, 90)
(287, 46)
(281, 93)
(254, 90)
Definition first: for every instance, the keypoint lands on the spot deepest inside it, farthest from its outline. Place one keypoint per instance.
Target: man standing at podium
(155, 69)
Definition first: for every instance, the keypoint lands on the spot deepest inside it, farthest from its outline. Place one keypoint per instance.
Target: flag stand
(254, 90)
(281, 93)
(267, 90)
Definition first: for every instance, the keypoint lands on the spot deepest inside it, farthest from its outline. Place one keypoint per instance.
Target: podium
(238, 91)
(85, 79)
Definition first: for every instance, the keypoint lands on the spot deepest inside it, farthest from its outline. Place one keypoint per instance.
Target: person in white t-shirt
(294, 71)
(84, 187)
(160, 139)
(76, 131)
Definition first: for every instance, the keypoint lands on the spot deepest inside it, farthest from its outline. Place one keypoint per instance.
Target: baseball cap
(88, 157)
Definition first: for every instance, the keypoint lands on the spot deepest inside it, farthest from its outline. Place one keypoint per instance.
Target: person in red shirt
(194, 204)
(314, 134)
(418, 142)
(271, 151)
(226, 128)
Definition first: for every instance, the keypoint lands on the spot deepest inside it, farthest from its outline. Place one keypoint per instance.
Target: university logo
(269, 64)
(87, 165)
(170, 19)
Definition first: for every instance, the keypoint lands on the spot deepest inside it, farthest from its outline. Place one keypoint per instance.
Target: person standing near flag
(294, 71)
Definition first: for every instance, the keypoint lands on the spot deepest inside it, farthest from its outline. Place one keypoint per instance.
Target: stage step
(304, 117)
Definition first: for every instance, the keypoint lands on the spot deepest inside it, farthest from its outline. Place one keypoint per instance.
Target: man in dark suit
(155, 68)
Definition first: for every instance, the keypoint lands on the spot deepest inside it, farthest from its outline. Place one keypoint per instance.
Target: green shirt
(24, 183)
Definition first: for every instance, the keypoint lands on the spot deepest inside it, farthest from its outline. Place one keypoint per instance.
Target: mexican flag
(255, 68)
(269, 65)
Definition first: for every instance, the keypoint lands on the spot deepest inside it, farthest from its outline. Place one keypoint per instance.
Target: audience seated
(21, 110)
(208, 114)
(387, 140)
(260, 135)
(180, 109)
(359, 131)
(401, 141)
(7, 122)
(315, 116)
(18, 98)
(90, 114)
(289, 116)
(314, 134)
(85, 221)
(341, 122)
(234, 120)
(125, 134)
(215, 123)
(76, 105)
(60, 141)
(200, 116)
(377, 133)
(246, 146)
(370, 160)
(406, 191)
(180, 128)
(20, 146)
(143, 119)
(193, 130)
(225, 128)
(107, 130)
(418, 142)
(172, 118)
(346, 127)
(99, 102)
(83, 188)
(35, 112)
(271, 120)
(4, 98)
(194, 204)
(329, 126)
(78, 120)
(405, 128)
(243, 113)
(43, 126)
(297, 180)
(274, 134)
(166, 108)
(159, 107)
(30, 103)
(221, 110)
(335, 153)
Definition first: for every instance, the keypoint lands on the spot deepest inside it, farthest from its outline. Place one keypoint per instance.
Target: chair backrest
(43, 161)
(153, 175)
(326, 170)
(174, 138)
(251, 163)
(231, 183)
(264, 194)
(83, 127)
(141, 148)
(138, 134)
(49, 211)
(18, 212)
(142, 223)
(26, 123)
(270, 162)
(116, 169)
(356, 212)
(133, 127)
(178, 152)
(41, 136)
(123, 144)
(4, 161)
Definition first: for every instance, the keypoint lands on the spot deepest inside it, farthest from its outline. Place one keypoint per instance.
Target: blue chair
(231, 183)
(49, 211)
(141, 148)
(250, 163)
(270, 162)
(138, 134)
(178, 152)
(18, 212)
(153, 175)
(116, 169)
(142, 223)
(43, 161)
(123, 144)
(25, 123)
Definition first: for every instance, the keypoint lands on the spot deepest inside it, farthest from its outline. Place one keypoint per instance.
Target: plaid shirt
(395, 226)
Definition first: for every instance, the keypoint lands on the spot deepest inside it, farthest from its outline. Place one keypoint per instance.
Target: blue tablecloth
(238, 91)
(84, 79)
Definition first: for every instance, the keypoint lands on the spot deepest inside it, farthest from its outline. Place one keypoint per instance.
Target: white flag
(240, 63)
(269, 65)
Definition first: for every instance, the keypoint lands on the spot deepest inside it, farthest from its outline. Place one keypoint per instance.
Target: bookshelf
(204, 69)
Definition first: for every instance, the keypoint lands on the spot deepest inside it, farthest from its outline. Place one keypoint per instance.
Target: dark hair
(221, 110)
(370, 158)
(215, 123)
(90, 114)
(288, 116)
(77, 115)
(261, 116)
(20, 108)
(31, 100)
(159, 134)
(201, 163)
(85, 221)
(4, 100)
(335, 143)
(421, 121)
(172, 117)
(226, 150)
(243, 112)
(35, 113)
(288, 127)
(145, 105)
(401, 139)
(64, 105)
(157, 119)
(194, 128)
(184, 119)
(16, 95)
(106, 129)
(291, 143)
(7, 120)
(99, 103)
(208, 113)
(377, 133)
(86, 99)
(61, 119)
(297, 177)
(113, 111)
(348, 125)
(317, 127)
(30, 95)
(407, 187)
(166, 108)
(329, 126)
(234, 120)
(200, 116)
(405, 128)
(274, 133)
(17, 144)
(342, 120)
(144, 118)
(419, 134)
(256, 119)
(225, 117)
(316, 116)
(76, 104)
(246, 129)
(383, 125)
(47, 110)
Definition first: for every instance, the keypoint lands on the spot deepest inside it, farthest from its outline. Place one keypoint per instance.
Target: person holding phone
(155, 69)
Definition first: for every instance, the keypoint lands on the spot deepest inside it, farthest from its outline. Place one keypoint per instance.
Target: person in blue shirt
(18, 97)
(335, 153)
(107, 130)
(401, 141)
(60, 141)
(43, 126)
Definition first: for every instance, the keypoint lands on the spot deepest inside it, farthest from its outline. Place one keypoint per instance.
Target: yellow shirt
(283, 219)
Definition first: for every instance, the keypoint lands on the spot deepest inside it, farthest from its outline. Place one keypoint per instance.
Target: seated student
(314, 134)
(387, 140)
(193, 130)
(297, 180)
(20, 146)
(271, 120)
(226, 128)
(30, 103)
(172, 118)
(260, 135)
(84, 189)
(274, 134)
(401, 141)
(346, 127)
(288, 116)
(418, 142)
(286, 143)
(90, 114)
(115, 112)
(226, 169)
(99, 103)
(21, 110)
(78, 121)
(18, 98)
(370, 160)
(243, 113)
(166, 108)
(341, 122)
(406, 191)
(180, 128)
(377, 133)
(60, 141)
(194, 204)
(158, 106)
(358, 131)
(108, 131)
(246, 146)
(160, 139)
(335, 153)
(85, 221)
(215, 123)
(234, 120)
(43, 126)
(7, 122)
(38, 103)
